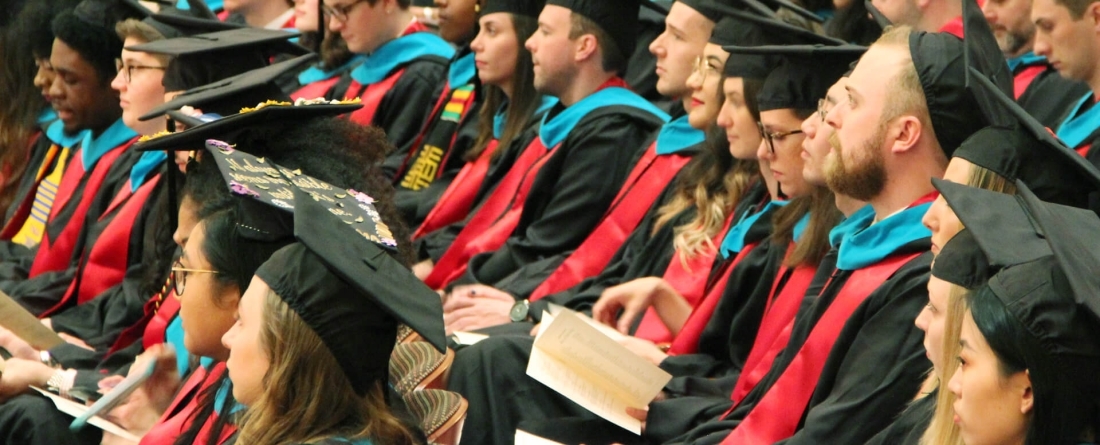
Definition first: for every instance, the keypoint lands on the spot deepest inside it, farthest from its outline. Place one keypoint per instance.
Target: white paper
(76, 409)
(578, 361)
(525, 438)
(468, 338)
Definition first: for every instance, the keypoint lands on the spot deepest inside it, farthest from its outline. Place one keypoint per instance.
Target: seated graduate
(451, 126)
(511, 112)
(268, 14)
(563, 182)
(83, 55)
(335, 61)
(1029, 334)
(693, 27)
(131, 256)
(309, 354)
(399, 79)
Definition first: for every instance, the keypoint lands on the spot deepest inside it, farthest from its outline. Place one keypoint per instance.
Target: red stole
(105, 265)
(1023, 79)
(12, 226)
(689, 280)
(371, 97)
(775, 326)
(181, 412)
(776, 416)
(458, 199)
(687, 341)
(315, 89)
(496, 219)
(57, 254)
(157, 314)
(649, 177)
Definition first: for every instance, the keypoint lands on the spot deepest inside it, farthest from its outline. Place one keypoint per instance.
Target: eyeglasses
(823, 108)
(120, 66)
(179, 274)
(703, 68)
(340, 13)
(770, 137)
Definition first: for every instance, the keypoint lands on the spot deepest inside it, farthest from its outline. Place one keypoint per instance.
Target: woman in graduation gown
(309, 354)
(1029, 334)
(398, 79)
(335, 61)
(505, 124)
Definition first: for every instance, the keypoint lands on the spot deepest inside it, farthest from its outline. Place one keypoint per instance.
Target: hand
(141, 410)
(423, 269)
(75, 341)
(17, 346)
(631, 298)
(474, 307)
(644, 349)
(640, 414)
(20, 374)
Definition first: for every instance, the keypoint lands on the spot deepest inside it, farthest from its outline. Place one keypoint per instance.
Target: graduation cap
(228, 96)
(174, 23)
(982, 53)
(778, 31)
(1050, 281)
(264, 115)
(940, 65)
(205, 58)
(804, 76)
(527, 8)
(962, 262)
(1019, 147)
(618, 18)
(106, 13)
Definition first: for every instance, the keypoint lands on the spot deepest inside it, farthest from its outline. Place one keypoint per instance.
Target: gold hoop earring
(477, 7)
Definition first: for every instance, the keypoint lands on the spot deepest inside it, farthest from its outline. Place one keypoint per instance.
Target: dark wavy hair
(98, 46)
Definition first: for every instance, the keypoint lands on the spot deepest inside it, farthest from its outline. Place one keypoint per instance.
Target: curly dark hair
(99, 46)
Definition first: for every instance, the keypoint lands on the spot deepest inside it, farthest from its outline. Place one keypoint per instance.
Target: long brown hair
(306, 395)
(714, 182)
(521, 106)
(820, 204)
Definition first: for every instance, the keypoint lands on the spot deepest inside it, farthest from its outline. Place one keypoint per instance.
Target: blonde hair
(306, 396)
(134, 28)
(712, 207)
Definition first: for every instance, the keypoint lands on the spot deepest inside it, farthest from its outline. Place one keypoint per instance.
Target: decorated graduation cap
(1019, 147)
(1054, 291)
(264, 115)
(205, 58)
(527, 8)
(962, 262)
(228, 96)
(343, 283)
(805, 74)
(617, 18)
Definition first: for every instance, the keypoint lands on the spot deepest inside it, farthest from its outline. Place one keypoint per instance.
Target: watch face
(519, 311)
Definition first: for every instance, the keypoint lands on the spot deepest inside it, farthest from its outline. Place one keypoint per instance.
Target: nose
(657, 48)
(989, 13)
(762, 151)
(531, 44)
(809, 127)
(1041, 47)
(955, 384)
(334, 25)
(930, 219)
(725, 116)
(119, 82)
(833, 116)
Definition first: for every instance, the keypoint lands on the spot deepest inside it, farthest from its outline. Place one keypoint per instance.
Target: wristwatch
(519, 311)
(47, 359)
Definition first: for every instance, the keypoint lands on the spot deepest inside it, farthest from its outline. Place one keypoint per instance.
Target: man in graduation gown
(1037, 85)
(82, 177)
(1066, 51)
(651, 181)
(452, 127)
(564, 181)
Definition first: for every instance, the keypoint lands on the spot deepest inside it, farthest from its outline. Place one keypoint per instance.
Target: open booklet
(581, 359)
(525, 438)
(89, 415)
(25, 325)
(76, 409)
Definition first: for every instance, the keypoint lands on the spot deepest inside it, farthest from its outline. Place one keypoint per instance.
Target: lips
(697, 103)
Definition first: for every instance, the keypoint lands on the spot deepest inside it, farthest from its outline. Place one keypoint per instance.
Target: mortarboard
(778, 32)
(250, 119)
(805, 74)
(1019, 147)
(617, 18)
(527, 8)
(939, 61)
(228, 96)
(982, 53)
(206, 58)
(174, 23)
(962, 262)
(106, 13)
(1049, 281)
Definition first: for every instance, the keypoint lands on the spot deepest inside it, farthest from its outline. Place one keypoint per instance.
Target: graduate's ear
(585, 46)
(1092, 12)
(1027, 396)
(905, 133)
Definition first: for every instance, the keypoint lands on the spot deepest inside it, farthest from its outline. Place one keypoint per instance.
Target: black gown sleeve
(404, 108)
(570, 194)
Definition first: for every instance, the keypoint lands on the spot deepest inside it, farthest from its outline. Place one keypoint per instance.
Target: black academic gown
(15, 258)
(571, 192)
(1050, 96)
(865, 399)
(911, 425)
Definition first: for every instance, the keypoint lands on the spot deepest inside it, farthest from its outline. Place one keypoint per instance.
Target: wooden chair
(418, 365)
(441, 414)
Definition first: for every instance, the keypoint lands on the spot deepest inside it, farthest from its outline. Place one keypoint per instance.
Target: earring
(477, 7)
